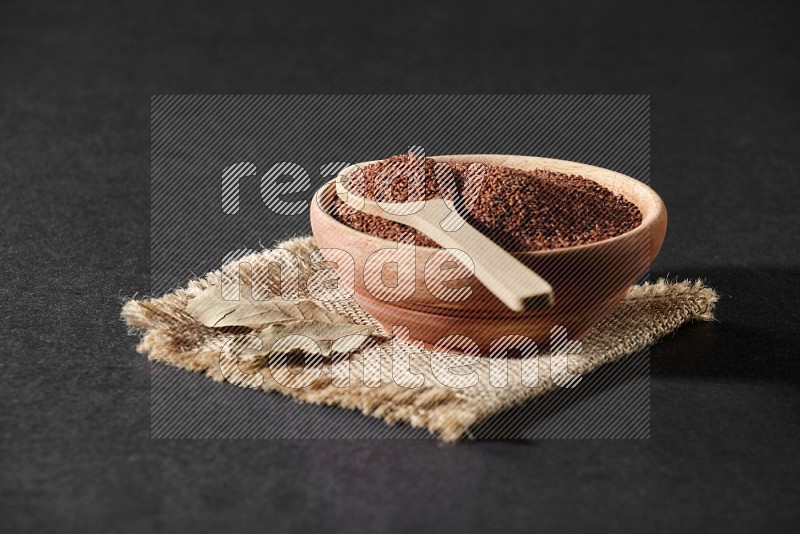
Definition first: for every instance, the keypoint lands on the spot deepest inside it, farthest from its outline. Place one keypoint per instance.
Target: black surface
(76, 451)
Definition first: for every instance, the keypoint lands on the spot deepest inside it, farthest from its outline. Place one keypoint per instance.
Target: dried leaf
(313, 337)
(282, 325)
(314, 312)
(212, 310)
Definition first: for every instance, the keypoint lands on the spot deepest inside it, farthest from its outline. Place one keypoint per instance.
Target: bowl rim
(658, 208)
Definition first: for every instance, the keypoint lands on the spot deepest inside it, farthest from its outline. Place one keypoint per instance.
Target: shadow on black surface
(611, 402)
(748, 341)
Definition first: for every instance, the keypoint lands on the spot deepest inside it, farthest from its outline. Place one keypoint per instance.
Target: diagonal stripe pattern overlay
(208, 205)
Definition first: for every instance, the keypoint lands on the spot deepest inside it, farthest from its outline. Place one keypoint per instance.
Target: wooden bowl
(588, 280)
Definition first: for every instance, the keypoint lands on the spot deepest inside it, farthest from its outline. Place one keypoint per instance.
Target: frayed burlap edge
(169, 335)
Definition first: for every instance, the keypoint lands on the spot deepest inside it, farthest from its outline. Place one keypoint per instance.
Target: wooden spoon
(507, 278)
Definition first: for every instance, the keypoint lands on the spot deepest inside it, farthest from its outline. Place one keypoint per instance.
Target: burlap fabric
(170, 335)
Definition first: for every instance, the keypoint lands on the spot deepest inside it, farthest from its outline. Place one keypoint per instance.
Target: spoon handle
(516, 285)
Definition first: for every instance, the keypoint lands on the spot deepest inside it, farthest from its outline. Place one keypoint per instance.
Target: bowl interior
(649, 203)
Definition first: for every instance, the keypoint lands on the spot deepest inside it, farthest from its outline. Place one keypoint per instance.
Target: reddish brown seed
(520, 210)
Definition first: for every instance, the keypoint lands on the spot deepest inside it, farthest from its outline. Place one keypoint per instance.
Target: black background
(76, 83)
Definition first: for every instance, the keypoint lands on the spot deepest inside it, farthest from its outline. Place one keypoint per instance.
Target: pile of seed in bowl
(520, 210)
